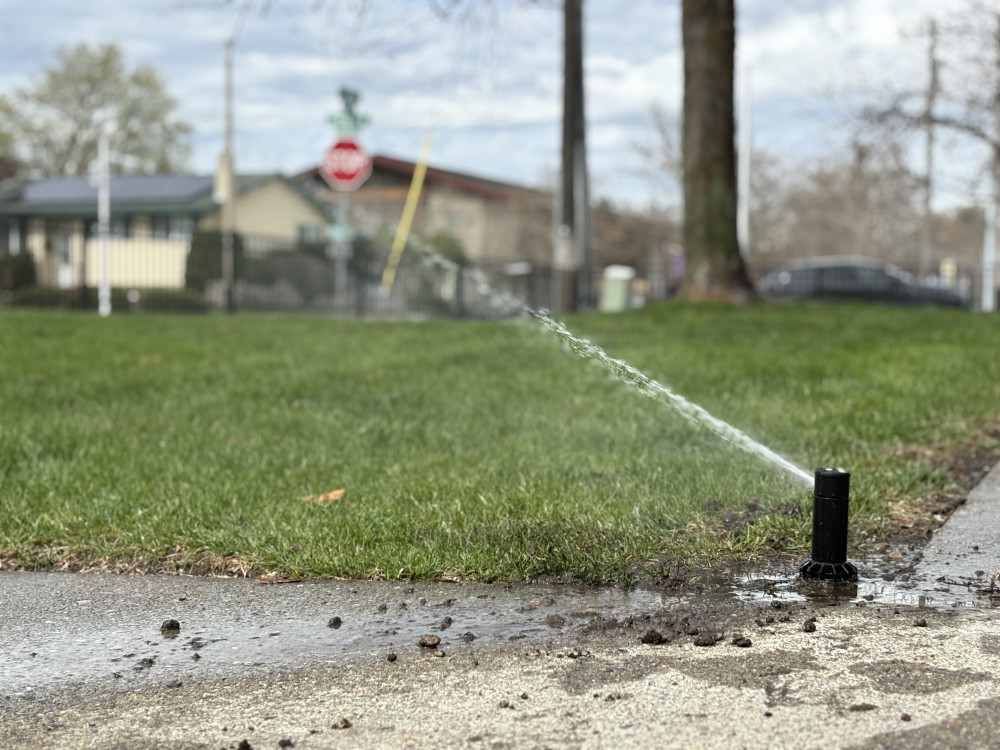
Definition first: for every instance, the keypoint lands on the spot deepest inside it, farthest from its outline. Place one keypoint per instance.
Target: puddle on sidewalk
(878, 583)
(134, 654)
(320, 624)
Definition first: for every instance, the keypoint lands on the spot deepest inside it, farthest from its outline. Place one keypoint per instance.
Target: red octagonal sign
(346, 165)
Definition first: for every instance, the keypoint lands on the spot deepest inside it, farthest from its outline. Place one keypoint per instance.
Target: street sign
(346, 165)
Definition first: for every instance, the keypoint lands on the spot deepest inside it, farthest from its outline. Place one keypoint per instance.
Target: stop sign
(346, 165)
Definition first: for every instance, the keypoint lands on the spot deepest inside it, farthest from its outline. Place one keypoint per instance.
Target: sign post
(345, 167)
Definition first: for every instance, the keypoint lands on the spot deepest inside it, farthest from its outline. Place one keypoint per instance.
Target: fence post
(459, 306)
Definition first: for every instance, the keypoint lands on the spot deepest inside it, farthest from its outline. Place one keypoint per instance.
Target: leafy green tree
(55, 123)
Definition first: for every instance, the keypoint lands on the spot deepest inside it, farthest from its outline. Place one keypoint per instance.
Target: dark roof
(463, 182)
(158, 194)
(173, 188)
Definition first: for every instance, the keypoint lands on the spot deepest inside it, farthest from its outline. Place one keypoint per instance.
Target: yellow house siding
(137, 261)
(146, 263)
(459, 215)
(272, 210)
(491, 230)
(64, 258)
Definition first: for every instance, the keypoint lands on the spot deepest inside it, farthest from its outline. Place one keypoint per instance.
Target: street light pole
(228, 197)
(103, 221)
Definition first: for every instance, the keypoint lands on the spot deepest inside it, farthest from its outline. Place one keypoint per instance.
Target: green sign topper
(349, 122)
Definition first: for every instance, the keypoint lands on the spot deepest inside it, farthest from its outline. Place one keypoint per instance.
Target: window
(17, 233)
(159, 227)
(171, 227)
(11, 234)
(873, 279)
(842, 279)
(121, 226)
(310, 234)
(181, 227)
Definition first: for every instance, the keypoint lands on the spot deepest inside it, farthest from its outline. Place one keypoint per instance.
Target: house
(495, 223)
(504, 231)
(152, 220)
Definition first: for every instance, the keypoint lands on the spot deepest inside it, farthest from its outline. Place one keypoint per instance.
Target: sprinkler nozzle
(831, 497)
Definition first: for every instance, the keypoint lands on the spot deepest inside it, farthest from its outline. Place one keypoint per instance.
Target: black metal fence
(270, 274)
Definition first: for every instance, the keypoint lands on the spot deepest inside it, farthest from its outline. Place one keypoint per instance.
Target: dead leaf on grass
(326, 497)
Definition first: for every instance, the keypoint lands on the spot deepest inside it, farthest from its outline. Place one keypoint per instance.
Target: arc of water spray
(649, 387)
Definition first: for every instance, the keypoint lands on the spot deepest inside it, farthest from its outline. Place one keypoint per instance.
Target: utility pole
(927, 235)
(224, 192)
(573, 261)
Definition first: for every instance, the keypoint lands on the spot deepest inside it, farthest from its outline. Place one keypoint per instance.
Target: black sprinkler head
(831, 497)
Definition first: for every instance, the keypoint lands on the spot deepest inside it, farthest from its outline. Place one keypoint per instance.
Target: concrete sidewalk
(966, 549)
(83, 662)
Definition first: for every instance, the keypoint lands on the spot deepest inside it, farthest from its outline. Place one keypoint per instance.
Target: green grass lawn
(466, 449)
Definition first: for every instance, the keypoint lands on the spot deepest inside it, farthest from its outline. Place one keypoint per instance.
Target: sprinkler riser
(831, 500)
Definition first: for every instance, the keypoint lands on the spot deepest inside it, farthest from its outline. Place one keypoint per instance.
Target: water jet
(649, 387)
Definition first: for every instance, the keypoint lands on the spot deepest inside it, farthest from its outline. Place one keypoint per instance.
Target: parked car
(854, 278)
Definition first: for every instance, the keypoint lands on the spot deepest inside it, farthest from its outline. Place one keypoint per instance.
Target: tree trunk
(715, 269)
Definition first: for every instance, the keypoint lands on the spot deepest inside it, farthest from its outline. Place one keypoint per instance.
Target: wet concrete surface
(905, 658)
(65, 628)
(62, 629)
(965, 552)
(722, 672)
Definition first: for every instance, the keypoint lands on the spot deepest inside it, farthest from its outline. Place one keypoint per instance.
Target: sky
(487, 82)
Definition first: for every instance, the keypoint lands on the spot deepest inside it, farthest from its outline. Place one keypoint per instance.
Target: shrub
(310, 275)
(448, 246)
(204, 260)
(45, 296)
(165, 300)
(16, 271)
